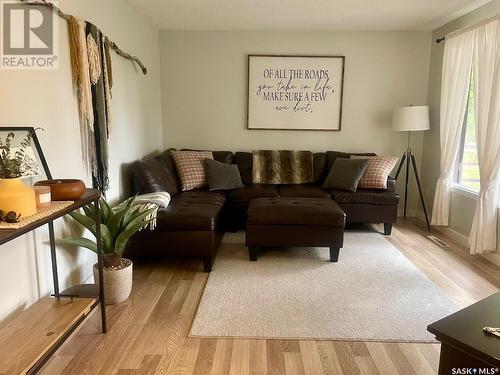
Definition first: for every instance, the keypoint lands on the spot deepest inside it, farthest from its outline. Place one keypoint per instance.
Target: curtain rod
(465, 28)
(61, 14)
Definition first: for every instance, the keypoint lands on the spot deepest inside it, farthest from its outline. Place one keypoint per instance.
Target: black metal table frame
(55, 276)
(50, 223)
(101, 301)
(97, 294)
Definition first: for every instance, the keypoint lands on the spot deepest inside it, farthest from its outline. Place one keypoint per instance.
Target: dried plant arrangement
(13, 160)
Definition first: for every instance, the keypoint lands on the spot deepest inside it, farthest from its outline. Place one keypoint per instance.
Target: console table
(30, 358)
(464, 344)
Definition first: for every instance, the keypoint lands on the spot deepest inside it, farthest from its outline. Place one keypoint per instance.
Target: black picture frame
(342, 57)
(35, 142)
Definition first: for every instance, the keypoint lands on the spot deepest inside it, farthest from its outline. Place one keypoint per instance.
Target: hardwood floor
(148, 332)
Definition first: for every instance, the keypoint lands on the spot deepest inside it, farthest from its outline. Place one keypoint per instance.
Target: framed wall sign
(295, 92)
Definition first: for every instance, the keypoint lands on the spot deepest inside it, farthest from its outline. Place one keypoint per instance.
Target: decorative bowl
(64, 189)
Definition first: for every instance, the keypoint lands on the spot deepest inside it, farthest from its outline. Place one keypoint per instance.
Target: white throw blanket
(156, 201)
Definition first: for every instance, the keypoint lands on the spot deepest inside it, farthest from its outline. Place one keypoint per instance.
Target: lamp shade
(410, 118)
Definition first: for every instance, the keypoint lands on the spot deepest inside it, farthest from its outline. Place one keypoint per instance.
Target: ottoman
(294, 222)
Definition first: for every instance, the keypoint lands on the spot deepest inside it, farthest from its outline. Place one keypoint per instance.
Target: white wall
(46, 99)
(204, 78)
(462, 206)
(204, 96)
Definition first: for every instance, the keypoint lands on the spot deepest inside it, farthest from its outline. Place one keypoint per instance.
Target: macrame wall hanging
(93, 80)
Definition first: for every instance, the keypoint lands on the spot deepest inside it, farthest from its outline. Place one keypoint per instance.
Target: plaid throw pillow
(190, 168)
(377, 171)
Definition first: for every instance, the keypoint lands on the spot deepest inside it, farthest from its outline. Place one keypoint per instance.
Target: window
(467, 167)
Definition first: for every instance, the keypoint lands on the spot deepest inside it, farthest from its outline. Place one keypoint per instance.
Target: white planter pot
(117, 283)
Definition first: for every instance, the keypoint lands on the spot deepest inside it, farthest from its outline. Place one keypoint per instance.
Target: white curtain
(487, 115)
(457, 66)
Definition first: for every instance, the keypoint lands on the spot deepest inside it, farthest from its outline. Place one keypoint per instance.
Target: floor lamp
(408, 119)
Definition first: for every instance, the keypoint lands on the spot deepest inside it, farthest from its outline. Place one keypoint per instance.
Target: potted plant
(117, 226)
(14, 194)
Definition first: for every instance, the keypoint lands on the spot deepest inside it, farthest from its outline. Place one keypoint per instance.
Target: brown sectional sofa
(194, 222)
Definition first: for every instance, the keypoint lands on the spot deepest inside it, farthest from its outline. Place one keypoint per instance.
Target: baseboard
(413, 213)
(453, 234)
(493, 258)
(463, 240)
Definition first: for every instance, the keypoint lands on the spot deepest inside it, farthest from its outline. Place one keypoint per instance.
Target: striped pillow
(190, 168)
(377, 171)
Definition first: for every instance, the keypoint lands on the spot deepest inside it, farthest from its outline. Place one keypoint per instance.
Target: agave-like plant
(117, 226)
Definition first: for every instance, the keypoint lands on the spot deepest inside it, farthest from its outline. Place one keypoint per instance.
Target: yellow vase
(16, 196)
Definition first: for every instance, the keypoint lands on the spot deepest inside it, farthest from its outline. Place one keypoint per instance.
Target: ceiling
(300, 15)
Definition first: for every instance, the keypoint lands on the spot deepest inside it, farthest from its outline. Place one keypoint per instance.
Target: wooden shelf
(89, 196)
(38, 331)
(81, 291)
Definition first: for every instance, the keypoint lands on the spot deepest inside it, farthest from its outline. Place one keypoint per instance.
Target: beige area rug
(374, 293)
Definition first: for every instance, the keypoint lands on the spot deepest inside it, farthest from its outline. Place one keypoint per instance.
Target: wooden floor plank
(275, 357)
(185, 360)
(222, 358)
(240, 358)
(293, 363)
(397, 357)
(418, 361)
(383, 361)
(310, 358)
(206, 356)
(258, 357)
(329, 362)
(366, 365)
(346, 358)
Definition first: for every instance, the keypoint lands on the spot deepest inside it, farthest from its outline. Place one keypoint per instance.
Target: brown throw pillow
(190, 168)
(377, 171)
(345, 174)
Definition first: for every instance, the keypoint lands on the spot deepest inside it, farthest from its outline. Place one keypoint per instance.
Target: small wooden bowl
(64, 189)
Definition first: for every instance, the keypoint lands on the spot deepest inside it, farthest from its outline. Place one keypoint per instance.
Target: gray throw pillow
(222, 176)
(345, 174)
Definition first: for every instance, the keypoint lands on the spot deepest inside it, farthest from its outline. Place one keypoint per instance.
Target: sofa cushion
(150, 175)
(295, 211)
(190, 168)
(308, 191)
(166, 158)
(364, 196)
(191, 211)
(377, 171)
(222, 176)
(254, 191)
(345, 174)
(244, 162)
(319, 167)
(332, 155)
(222, 156)
(282, 167)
